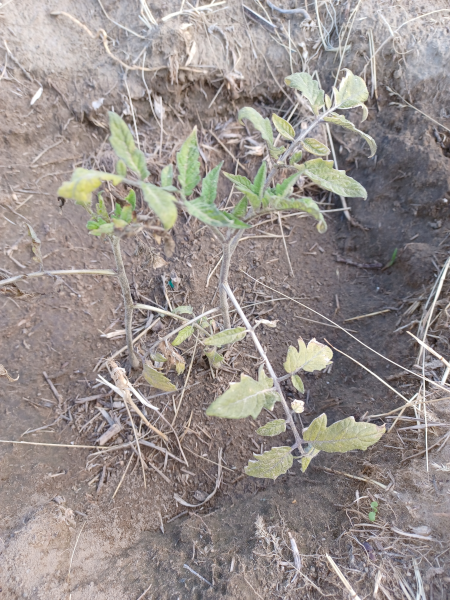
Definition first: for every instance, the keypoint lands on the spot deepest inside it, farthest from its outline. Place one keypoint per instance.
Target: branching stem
(127, 299)
(273, 375)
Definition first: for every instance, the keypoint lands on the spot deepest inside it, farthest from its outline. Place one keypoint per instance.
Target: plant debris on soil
(111, 489)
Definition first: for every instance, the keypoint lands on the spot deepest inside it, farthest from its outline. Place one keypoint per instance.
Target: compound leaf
(314, 357)
(183, 335)
(167, 176)
(83, 182)
(162, 204)
(272, 428)
(352, 92)
(342, 436)
(298, 384)
(188, 163)
(284, 128)
(242, 399)
(158, 380)
(260, 123)
(228, 336)
(309, 87)
(321, 172)
(313, 146)
(271, 464)
(340, 120)
(122, 142)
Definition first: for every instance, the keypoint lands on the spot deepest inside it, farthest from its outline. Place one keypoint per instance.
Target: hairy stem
(127, 300)
(273, 375)
(223, 281)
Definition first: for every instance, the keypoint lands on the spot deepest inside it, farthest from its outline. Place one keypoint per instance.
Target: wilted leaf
(83, 182)
(306, 204)
(4, 373)
(183, 335)
(313, 146)
(214, 358)
(272, 428)
(352, 92)
(123, 145)
(342, 436)
(104, 229)
(314, 357)
(307, 458)
(228, 336)
(180, 366)
(118, 224)
(245, 186)
(340, 120)
(309, 87)
(36, 246)
(284, 128)
(12, 291)
(298, 384)
(158, 357)
(183, 310)
(260, 123)
(248, 397)
(188, 164)
(158, 380)
(271, 464)
(162, 204)
(167, 176)
(322, 173)
(328, 101)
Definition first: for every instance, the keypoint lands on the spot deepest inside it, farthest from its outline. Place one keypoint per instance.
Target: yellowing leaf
(352, 91)
(322, 173)
(342, 436)
(307, 458)
(272, 428)
(271, 464)
(183, 335)
(298, 406)
(314, 357)
(83, 182)
(308, 205)
(340, 120)
(162, 204)
(313, 146)
(248, 397)
(309, 87)
(298, 384)
(229, 336)
(188, 164)
(214, 358)
(181, 310)
(123, 145)
(158, 380)
(167, 176)
(180, 367)
(284, 128)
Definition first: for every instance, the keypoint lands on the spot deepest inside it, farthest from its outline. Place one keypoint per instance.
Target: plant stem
(273, 375)
(127, 300)
(15, 278)
(223, 281)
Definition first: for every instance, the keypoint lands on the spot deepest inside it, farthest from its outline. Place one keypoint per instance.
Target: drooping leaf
(243, 399)
(122, 142)
(158, 380)
(321, 172)
(121, 168)
(183, 335)
(35, 246)
(240, 210)
(167, 176)
(314, 357)
(162, 204)
(83, 182)
(340, 120)
(211, 215)
(342, 436)
(298, 384)
(245, 186)
(328, 101)
(272, 428)
(188, 163)
(118, 223)
(127, 213)
(260, 179)
(180, 367)
(228, 336)
(306, 204)
(352, 92)
(284, 128)
(214, 358)
(313, 146)
(104, 229)
(308, 456)
(271, 464)
(131, 199)
(309, 87)
(158, 357)
(260, 123)
(182, 310)
(209, 184)
(296, 158)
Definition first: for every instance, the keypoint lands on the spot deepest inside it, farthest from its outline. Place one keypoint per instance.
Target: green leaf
(298, 384)
(342, 436)
(158, 380)
(313, 146)
(352, 92)
(83, 182)
(372, 516)
(309, 87)
(340, 120)
(211, 215)
(374, 505)
(271, 464)
(183, 335)
(131, 199)
(104, 229)
(158, 357)
(229, 336)
(307, 458)
(214, 358)
(188, 163)
(260, 180)
(242, 399)
(245, 186)
(271, 396)
(127, 213)
(91, 225)
(117, 210)
(101, 210)
(162, 204)
(314, 357)
(286, 187)
(328, 102)
(167, 176)
(295, 158)
(260, 123)
(209, 184)
(183, 310)
(121, 168)
(284, 128)
(321, 172)
(118, 223)
(123, 145)
(240, 210)
(272, 428)
(308, 205)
